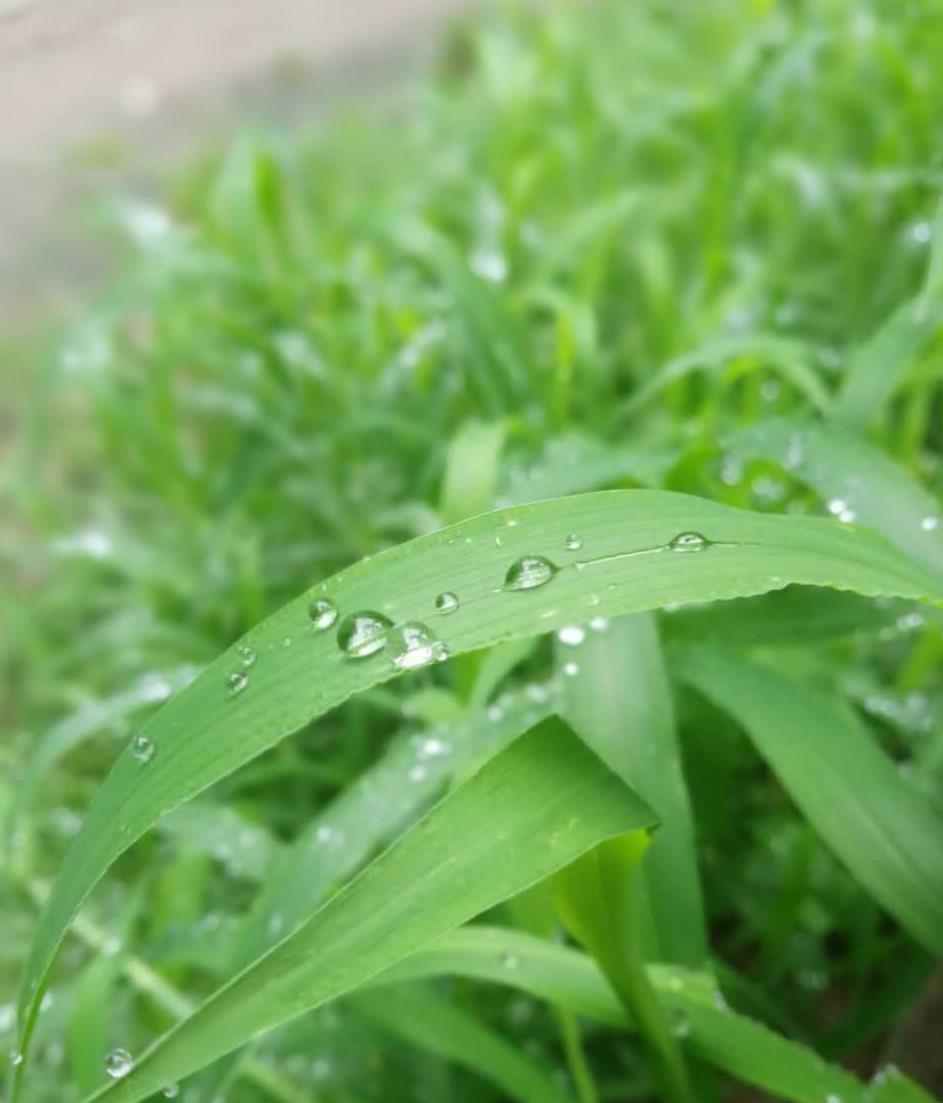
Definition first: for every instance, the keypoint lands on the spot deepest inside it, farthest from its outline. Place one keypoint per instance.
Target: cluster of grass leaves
(672, 247)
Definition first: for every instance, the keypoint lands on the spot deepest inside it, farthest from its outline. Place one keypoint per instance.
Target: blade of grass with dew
(732, 1043)
(618, 699)
(630, 560)
(546, 799)
(599, 900)
(885, 831)
(421, 1017)
(856, 479)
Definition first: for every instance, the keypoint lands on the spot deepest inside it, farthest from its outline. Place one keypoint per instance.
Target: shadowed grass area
(683, 246)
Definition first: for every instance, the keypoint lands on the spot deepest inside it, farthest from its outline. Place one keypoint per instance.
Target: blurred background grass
(575, 201)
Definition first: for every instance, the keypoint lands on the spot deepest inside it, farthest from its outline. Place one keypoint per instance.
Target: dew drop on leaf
(446, 602)
(363, 634)
(529, 572)
(142, 748)
(413, 645)
(688, 542)
(572, 635)
(323, 613)
(16, 1057)
(571, 669)
(237, 681)
(171, 1091)
(599, 624)
(247, 654)
(574, 542)
(118, 1063)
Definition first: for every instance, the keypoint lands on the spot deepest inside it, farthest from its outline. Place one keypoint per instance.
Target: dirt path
(95, 94)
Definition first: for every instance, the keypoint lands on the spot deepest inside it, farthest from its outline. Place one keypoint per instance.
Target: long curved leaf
(547, 799)
(884, 830)
(625, 563)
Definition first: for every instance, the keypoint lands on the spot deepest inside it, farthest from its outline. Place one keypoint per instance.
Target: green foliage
(626, 327)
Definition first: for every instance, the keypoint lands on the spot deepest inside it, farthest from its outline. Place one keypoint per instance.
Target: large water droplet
(237, 681)
(247, 654)
(572, 635)
(446, 603)
(529, 572)
(118, 1063)
(574, 542)
(142, 748)
(363, 634)
(688, 542)
(413, 645)
(322, 612)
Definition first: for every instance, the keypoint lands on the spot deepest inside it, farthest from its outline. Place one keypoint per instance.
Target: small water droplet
(142, 748)
(363, 634)
(688, 542)
(171, 1091)
(323, 613)
(324, 834)
(413, 645)
(930, 523)
(118, 1063)
(529, 572)
(16, 1057)
(446, 603)
(247, 654)
(571, 669)
(836, 506)
(574, 542)
(599, 624)
(572, 635)
(237, 681)
(431, 747)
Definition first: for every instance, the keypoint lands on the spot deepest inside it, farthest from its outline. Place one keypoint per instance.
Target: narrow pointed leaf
(884, 830)
(547, 799)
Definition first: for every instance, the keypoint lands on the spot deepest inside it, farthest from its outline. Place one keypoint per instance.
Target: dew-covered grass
(633, 245)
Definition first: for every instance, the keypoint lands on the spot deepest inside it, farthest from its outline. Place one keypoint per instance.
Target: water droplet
(836, 506)
(237, 681)
(247, 654)
(413, 645)
(529, 572)
(599, 624)
(323, 613)
(16, 1057)
(432, 747)
(574, 542)
(920, 233)
(572, 635)
(171, 1091)
(510, 961)
(571, 669)
(688, 542)
(324, 834)
(142, 748)
(930, 523)
(118, 1063)
(363, 634)
(446, 602)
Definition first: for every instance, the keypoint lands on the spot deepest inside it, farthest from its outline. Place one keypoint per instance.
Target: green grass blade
(619, 701)
(852, 474)
(421, 1017)
(738, 1046)
(471, 470)
(625, 563)
(885, 831)
(546, 800)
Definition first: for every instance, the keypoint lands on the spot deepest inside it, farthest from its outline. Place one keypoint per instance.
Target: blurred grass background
(575, 201)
